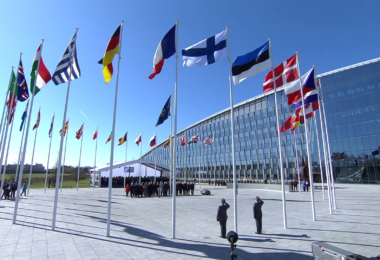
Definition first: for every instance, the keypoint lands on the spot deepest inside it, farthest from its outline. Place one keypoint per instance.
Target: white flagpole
(140, 158)
(113, 137)
(5, 103)
(155, 161)
(64, 158)
(311, 176)
(96, 146)
(61, 142)
(320, 160)
(199, 160)
(80, 155)
(175, 135)
(328, 149)
(125, 164)
(47, 165)
(233, 134)
(326, 163)
(31, 164)
(171, 144)
(279, 142)
(19, 153)
(26, 139)
(298, 167)
(6, 124)
(185, 171)
(6, 157)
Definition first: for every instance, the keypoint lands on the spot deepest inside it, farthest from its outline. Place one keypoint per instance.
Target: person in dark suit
(222, 217)
(257, 214)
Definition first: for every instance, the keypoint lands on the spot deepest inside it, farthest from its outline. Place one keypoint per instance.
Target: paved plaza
(141, 227)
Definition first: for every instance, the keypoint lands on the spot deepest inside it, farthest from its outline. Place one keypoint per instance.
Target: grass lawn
(82, 183)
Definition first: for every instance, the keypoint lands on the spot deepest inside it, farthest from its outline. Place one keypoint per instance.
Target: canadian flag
(183, 141)
(285, 72)
(95, 134)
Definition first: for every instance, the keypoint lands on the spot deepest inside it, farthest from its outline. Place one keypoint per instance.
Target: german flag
(66, 128)
(123, 139)
(167, 142)
(111, 51)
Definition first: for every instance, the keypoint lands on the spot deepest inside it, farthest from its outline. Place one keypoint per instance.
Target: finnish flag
(206, 52)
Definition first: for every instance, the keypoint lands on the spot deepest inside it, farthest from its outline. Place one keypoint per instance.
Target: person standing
(257, 214)
(160, 189)
(295, 184)
(222, 217)
(304, 185)
(127, 190)
(23, 189)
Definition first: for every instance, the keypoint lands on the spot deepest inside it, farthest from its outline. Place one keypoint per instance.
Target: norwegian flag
(22, 92)
(285, 72)
(38, 120)
(79, 133)
(194, 139)
(209, 140)
(183, 141)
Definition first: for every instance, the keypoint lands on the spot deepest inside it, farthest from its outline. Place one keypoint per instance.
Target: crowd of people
(157, 189)
(119, 180)
(10, 188)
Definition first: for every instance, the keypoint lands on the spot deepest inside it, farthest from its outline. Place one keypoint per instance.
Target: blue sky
(328, 34)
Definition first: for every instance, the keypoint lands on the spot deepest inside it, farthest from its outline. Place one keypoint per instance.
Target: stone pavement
(141, 227)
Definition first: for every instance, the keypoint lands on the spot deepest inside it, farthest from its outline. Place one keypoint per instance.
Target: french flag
(152, 141)
(166, 48)
(293, 89)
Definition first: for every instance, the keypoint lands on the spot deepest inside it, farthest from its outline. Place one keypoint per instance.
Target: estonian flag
(165, 112)
(251, 64)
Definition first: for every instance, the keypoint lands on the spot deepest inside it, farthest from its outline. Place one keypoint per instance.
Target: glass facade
(351, 97)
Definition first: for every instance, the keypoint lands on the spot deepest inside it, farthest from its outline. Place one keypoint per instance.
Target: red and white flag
(285, 72)
(95, 134)
(109, 138)
(183, 141)
(139, 139)
(79, 133)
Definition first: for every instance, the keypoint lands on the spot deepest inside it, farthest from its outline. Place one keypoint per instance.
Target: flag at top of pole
(109, 138)
(112, 49)
(123, 139)
(79, 133)
(138, 140)
(168, 142)
(183, 141)
(153, 140)
(209, 140)
(95, 134)
(251, 64)
(285, 72)
(194, 139)
(165, 112)
(62, 72)
(66, 128)
(43, 76)
(206, 52)
(22, 90)
(166, 49)
(12, 100)
(38, 120)
(293, 89)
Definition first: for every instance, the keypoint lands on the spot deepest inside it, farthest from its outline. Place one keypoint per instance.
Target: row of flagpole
(326, 146)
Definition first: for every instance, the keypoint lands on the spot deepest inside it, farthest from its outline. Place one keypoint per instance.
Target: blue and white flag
(206, 52)
(62, 72)
(251, 64)
(24, 115)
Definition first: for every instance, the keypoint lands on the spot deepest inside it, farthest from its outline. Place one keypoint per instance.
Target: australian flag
(68, 61)
(22, 91)
(206, 52)
(165, 112)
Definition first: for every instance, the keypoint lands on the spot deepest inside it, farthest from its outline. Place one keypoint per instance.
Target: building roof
(349, 67)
